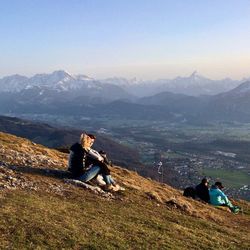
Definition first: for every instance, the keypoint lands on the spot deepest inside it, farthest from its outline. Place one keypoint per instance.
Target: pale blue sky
(147, 39)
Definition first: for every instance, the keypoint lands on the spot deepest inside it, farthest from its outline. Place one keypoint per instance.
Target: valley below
(178, 154)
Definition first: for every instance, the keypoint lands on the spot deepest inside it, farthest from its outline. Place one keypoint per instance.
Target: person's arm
(107, 161)
(224, 197)
(94, 155)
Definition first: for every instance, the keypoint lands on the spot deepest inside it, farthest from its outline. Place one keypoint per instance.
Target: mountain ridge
(61, 80)
(92, 98)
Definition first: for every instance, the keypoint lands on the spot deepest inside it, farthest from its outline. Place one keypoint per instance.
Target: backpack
(76, 158)
(189, 192)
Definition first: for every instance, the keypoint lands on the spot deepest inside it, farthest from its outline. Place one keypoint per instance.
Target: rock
(95, 189)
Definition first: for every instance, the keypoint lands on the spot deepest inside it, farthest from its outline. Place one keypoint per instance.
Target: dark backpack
(76, 158)
(189, 192)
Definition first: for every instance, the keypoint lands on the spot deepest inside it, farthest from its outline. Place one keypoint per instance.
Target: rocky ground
(35, 178)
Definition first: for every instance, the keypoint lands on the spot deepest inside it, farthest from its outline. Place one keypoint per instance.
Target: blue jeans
(90, 174)
(108, 179)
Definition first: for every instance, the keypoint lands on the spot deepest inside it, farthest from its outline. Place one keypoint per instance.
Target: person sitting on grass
(94, 162)
(202, 191)
(218, 198)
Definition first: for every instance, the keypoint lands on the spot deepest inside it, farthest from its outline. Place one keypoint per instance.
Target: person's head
(87, 140)
(91, 139)
(205, 181)
(219, 185)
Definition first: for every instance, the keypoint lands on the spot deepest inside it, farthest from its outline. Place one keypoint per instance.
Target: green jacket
(217, 197)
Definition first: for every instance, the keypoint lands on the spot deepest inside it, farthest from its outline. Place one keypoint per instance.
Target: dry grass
(29, 152)
(148, 215)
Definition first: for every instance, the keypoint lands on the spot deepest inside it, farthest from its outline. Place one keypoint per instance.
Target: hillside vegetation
(39, 209)
(62, 138)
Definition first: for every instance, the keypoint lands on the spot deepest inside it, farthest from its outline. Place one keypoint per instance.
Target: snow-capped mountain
(120, 81)
(13, 83)
(83, 78)
(196, 85)
(46, 88)
(18, 83)
(62, 93)
(62, 81)
(193, 85)
(56, 80)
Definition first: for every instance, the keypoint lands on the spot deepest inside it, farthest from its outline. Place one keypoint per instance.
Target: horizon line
(195, 72)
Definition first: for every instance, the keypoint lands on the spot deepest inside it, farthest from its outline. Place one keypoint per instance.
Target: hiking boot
(107, 187)
(235, 210)
(118, 188)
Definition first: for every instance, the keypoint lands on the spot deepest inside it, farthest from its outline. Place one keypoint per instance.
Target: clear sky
(147, 39)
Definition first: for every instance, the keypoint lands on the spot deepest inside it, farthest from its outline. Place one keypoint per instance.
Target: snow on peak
(194, 74)
(61, 74)
(12, 83)
(196, 77)
(61, 80)
(120, 81)
(49, 79)
(83, 78)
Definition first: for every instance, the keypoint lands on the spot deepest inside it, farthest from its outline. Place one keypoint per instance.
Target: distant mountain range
(193, 85)
(60, 86)
(116, 88)
(63, 94)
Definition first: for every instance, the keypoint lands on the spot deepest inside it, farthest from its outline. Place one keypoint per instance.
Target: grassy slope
(148, 215)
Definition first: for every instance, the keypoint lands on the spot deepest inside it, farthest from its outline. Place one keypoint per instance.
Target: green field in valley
(230, 178)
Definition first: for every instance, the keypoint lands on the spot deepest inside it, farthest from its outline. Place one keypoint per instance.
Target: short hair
(219, 184)
(91, 136)
(205, 180)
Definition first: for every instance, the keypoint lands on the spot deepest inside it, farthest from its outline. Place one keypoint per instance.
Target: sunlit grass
(86, 221)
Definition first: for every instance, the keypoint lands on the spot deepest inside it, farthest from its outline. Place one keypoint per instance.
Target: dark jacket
(202, 192)
(76, 158)
(80, 160)
(104, 166)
